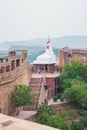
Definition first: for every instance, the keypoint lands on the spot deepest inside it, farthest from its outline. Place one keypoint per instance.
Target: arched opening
(8, 68)
(17, 62)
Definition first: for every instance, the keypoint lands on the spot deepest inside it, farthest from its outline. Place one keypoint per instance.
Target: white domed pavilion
(46, 61)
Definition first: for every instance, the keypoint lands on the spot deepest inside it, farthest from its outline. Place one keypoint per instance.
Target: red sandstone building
(44, 81)
(66, 55)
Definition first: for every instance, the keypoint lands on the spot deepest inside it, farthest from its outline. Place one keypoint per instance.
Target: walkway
(25, 114)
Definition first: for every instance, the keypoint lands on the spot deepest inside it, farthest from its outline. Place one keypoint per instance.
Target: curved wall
(20, 75)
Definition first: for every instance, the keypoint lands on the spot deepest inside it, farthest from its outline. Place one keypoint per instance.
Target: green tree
(75, 70)
(77, 93)
(21, 96)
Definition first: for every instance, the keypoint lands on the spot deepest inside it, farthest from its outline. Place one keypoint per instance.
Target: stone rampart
(67, 55)
(18, 73)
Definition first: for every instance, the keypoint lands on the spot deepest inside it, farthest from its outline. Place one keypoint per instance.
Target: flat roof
(11, 123)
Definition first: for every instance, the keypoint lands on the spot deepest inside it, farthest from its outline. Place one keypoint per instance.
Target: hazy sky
(26, 19)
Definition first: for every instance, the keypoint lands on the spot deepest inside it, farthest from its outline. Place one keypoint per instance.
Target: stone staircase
(35, 84)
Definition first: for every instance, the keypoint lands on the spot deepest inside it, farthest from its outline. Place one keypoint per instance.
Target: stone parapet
(12, 75)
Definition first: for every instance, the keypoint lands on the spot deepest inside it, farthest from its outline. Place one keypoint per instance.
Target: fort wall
(18, 73)
(67, 55)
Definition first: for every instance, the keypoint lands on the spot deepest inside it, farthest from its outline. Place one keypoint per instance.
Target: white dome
(46, 58)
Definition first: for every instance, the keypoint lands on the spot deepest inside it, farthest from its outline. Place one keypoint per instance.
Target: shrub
(83, 120)
(55, 98)
(43, 118)
(59, 95)
(76, 126)
(57, 122)
(45, 108)
(21, 96)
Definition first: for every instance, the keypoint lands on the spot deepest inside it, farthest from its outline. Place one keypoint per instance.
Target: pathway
(25, 114)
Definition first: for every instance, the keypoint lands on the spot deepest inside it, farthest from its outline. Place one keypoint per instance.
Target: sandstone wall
(79, 55)
(67, 57)
(51, 87)
(19, 75)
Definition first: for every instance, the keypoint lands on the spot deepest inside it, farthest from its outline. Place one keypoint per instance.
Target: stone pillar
(14, 64)
(61, 53)
(3, 68)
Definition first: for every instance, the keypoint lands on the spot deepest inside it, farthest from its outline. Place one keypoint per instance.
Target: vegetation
(55, 98)
(76, 126)
(62, 120)
(59, 121)
(45, 108)
(59, 95)
(83, 120)
(77, 93)
(75, 70)
(21, 96)
(74, 82)
(47, 116)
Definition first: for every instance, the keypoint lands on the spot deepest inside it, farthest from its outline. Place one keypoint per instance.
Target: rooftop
(11, 123)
